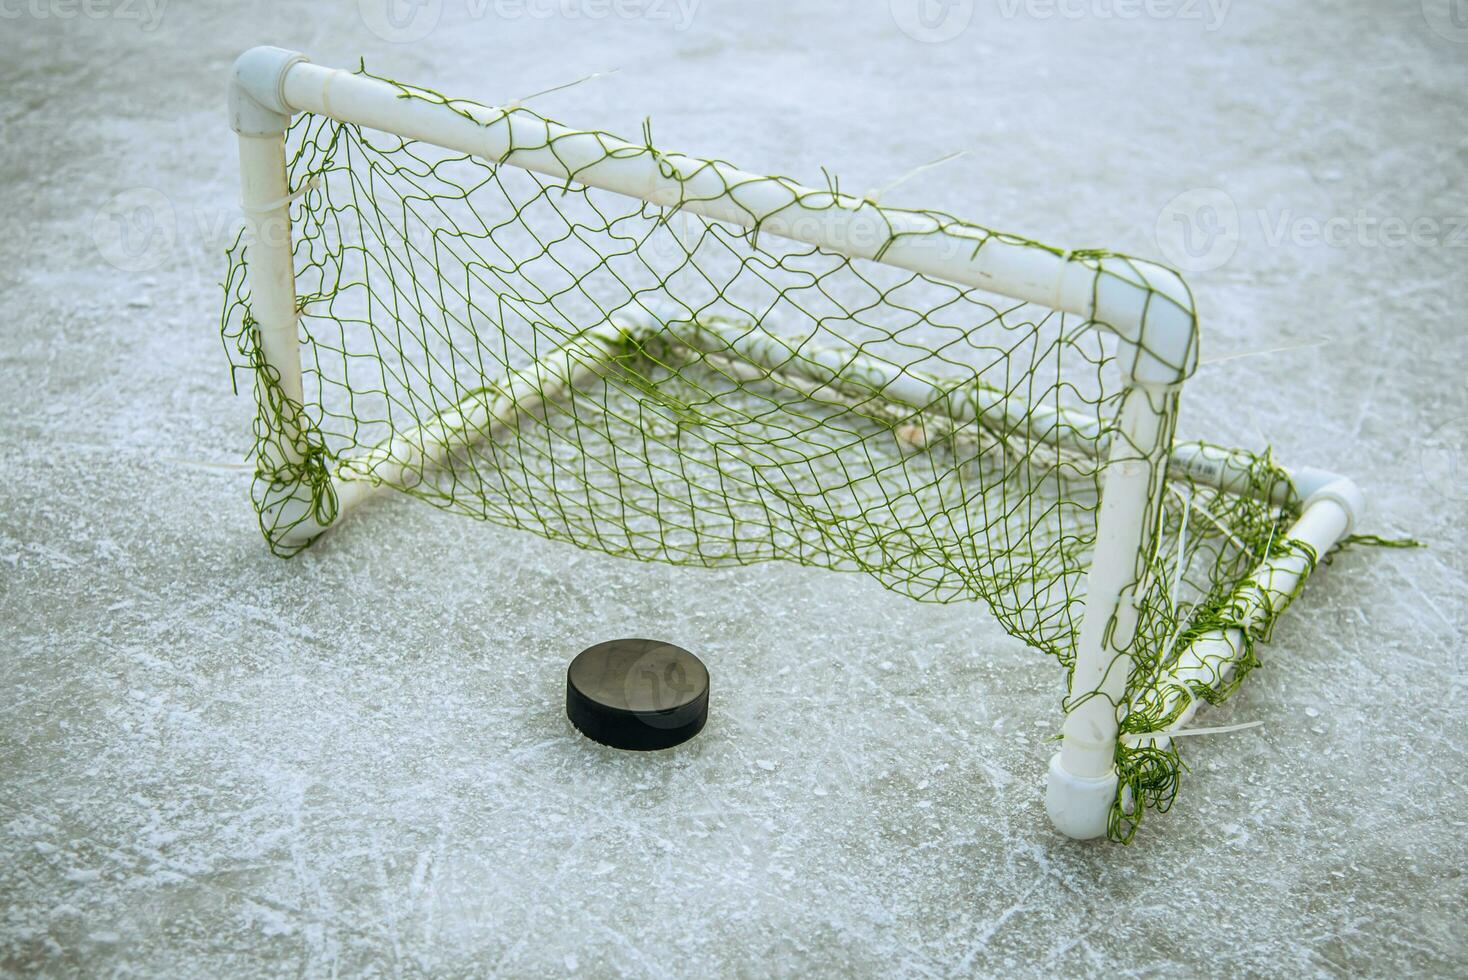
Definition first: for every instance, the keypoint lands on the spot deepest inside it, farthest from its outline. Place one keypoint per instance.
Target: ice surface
(213, 762)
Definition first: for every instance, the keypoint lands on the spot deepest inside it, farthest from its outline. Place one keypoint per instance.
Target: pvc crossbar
(918, 241)
(710, 189)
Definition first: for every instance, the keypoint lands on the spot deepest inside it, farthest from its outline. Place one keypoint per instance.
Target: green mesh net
(635, 379)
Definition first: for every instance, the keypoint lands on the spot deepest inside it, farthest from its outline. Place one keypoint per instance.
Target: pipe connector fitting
(257, 105)
(1313, 484)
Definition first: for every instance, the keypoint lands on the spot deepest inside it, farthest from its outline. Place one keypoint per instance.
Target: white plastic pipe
(865, 376)
(706, 188)
(401, 459)
(1082, 780)
(1329, 514)
(858, 375)
(263, 193)
(1079, 805)
(815, 370)
(1128, 499)
(288, 511)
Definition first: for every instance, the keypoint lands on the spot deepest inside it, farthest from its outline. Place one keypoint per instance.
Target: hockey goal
(668, 358)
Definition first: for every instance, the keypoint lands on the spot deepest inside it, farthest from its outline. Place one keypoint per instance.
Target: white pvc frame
(1153, 319)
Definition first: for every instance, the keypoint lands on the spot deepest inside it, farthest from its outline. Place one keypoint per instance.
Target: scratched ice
(218, 763)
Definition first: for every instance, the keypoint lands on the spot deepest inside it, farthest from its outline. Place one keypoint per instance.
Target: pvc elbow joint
(1149, 307)
(257, 105)
(1313, 484)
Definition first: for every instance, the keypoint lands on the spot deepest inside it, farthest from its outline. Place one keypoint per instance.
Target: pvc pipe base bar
(1080, 806)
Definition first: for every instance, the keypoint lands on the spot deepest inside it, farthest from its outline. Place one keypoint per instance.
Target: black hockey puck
(637, 694)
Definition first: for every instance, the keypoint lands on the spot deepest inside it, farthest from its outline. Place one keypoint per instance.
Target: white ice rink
(217, 763)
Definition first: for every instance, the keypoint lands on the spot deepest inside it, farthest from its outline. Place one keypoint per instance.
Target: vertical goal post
(1147, 307)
